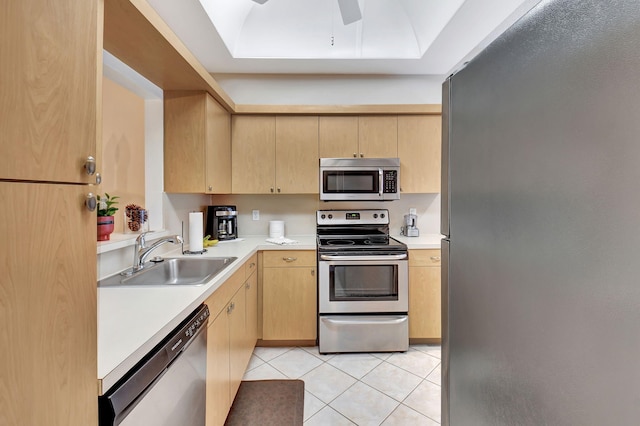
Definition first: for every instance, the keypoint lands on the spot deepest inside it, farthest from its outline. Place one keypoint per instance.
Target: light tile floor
(361, 389)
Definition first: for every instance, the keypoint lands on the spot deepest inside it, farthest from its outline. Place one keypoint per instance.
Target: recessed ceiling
(316, 29)
(421, 37)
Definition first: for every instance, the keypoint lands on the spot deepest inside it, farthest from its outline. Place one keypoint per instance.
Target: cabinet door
(424, 294)
(378, 136)
(297, 154)
(217, 148)
(48, 360)
(419, 141)
(251, 292)
(50, 85)
(253, 141)
(184, 136)
(237, 342)
(289, 304)
(218, 378)
(338, 137)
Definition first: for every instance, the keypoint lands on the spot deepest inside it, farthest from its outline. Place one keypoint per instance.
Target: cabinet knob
(252, 264)
(278, 189)
(272, 189)
(90, 165)
(247, 286)
(361, 155)
(435, 258)
(313, 272)
(355, 155)
(210, 188)
(98, 178)
(90, 202)
(289, 259)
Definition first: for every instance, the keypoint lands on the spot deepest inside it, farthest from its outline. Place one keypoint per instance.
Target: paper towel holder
(203, 251)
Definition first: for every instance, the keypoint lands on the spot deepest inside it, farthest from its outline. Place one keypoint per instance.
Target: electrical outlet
(256, 215)
(412, 211)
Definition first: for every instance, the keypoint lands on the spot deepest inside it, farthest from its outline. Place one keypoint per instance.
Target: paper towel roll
(276, 228)
(195, 231)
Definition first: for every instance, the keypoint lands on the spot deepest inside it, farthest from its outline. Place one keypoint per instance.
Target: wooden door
(289, 304)
(217, 148)
(338, 136)
(424, 295)
(419, 148)
(297, 154)
(48, 361)
(378, 136)
(253, 141)
(50, 73)
(218, 379)
(237, 340)
(184, 141)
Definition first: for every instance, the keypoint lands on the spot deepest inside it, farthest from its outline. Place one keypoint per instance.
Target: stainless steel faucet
(141, 251)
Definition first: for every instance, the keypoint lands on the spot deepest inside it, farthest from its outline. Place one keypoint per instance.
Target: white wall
(299, 211)
(275, 89)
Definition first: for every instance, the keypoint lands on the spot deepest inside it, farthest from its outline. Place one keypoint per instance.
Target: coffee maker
(410, 228)
(222, 222)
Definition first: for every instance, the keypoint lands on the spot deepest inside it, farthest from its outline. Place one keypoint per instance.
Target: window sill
(120, 240)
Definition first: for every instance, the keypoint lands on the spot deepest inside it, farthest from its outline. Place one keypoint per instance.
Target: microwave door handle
(381, 182)
(354, 258)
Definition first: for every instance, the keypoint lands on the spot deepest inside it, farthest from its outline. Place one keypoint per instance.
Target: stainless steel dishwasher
(167, 387)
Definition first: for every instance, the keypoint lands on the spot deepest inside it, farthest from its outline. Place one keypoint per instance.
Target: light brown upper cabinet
(419, 141)
(50, 85)
(378, 136)
(197, 144)
(274, 154)
(373, 136)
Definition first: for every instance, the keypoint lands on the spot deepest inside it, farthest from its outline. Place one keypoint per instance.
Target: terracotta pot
(105, 227)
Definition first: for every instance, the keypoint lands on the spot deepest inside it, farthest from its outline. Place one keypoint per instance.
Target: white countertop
(426, 241)
(131, 321)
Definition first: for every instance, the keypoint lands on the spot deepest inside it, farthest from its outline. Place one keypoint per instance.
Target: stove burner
(340, 243)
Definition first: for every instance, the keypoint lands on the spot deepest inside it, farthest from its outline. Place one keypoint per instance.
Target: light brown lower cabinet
(289, 295)
(424, 295)
(231, 337)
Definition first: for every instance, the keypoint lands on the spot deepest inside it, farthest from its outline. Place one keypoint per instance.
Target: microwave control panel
(390, 182)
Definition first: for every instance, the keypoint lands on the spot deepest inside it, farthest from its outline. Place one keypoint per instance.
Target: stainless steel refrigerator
(541, 213)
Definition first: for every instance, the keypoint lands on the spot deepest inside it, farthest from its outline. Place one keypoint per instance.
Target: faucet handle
(141, 240)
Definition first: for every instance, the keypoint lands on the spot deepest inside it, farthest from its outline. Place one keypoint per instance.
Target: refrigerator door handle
(444, 280)
(444, 178)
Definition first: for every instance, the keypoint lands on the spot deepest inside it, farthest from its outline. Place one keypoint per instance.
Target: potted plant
(106, 210)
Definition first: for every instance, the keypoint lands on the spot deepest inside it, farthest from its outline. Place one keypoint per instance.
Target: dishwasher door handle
(366, 258)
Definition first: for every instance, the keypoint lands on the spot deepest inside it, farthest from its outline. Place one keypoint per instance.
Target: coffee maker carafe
(410, 228)
(222, 222)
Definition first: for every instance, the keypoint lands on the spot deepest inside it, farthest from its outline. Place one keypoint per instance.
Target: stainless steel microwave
(359, 179)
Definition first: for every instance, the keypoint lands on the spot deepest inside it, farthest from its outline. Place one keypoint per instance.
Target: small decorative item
(106, 210)
(135, 219)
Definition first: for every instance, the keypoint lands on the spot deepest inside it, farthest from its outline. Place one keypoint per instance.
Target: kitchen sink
(172, 271)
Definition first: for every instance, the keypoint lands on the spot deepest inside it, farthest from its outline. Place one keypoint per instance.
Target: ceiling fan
(349, 9)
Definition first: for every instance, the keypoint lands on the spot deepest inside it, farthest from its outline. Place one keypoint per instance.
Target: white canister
(276, 228)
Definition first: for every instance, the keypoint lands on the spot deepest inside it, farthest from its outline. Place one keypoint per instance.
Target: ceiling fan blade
(350, 11)
(261, 1)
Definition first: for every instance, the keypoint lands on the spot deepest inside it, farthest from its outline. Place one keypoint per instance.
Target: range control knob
(382, 215)
(330, 216)
(323, 216)
(375, 215)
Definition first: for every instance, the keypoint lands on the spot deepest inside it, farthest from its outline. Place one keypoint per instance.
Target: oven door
(363, 283)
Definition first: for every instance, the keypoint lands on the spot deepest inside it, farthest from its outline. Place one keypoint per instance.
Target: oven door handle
(383, 257)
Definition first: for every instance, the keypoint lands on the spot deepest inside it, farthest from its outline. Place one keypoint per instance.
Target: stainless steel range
(363, 284)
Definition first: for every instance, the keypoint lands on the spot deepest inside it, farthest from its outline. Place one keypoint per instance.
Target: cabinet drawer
(429, 257)
(251, 265)
(288, 258)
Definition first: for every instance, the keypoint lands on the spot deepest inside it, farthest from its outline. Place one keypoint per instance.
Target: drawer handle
(289, 259)
(435, 258)
(252, 264)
